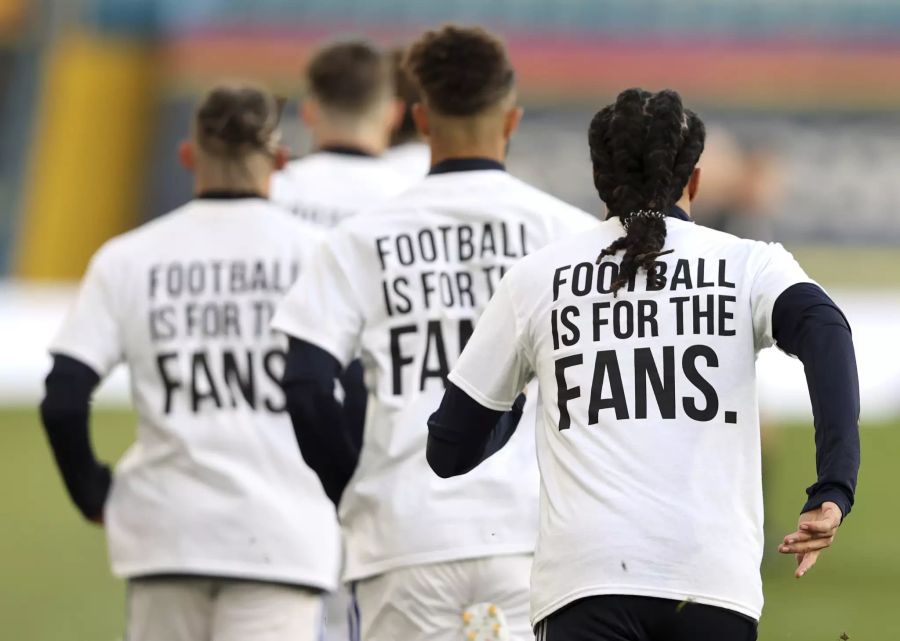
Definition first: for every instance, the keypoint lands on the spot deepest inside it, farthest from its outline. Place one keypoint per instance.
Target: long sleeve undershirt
(809, 325)
(806, 323)
(328, 432)
(65, 413)
(453, 451)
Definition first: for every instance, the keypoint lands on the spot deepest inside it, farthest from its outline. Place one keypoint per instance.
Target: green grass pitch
(55, 584)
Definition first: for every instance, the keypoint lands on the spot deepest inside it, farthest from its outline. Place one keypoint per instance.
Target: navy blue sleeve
(809, 325)
(356, 398)
(65, 414)
(328, 442)
(462, 433)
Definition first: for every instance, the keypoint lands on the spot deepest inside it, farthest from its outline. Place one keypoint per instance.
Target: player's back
(654, 386)
(214, 483)
(326, 187)
(422, 267)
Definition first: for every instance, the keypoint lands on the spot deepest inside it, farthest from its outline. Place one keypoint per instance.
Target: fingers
(803, 547)
(800, 535)
(824, 526)
(806, 562)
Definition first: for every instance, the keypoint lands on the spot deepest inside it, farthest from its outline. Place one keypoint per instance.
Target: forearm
(320, 423)
(813, 328)
(65, 414)
(830, 365)
(462, 433)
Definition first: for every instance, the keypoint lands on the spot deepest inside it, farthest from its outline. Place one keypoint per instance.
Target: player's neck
(257, 186)
(685, 203)
(441, 151)
(366, 140)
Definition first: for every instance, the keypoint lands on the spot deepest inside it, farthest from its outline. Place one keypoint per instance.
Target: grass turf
(55, 585)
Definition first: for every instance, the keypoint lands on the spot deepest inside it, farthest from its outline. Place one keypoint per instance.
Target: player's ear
(280, 157)
(693, 185)
(511, 121)
(186, 155)
(420, 117)
(309, 112)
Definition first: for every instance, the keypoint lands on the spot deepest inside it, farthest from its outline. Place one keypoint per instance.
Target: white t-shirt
(648, 431)
(326, 187)
(411, 159)
(403, 285)
(215, 483)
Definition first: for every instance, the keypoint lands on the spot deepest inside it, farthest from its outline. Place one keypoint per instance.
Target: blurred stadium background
(803, 102)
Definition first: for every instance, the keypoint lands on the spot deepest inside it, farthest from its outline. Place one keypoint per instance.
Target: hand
(815, 532)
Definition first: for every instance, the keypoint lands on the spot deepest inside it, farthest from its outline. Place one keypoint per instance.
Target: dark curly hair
(349, 77)
(233, 120)
(461, 71)
(644, 149)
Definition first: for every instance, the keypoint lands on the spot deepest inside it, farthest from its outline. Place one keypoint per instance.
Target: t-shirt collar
(678, 212)
(465, 164)
(346, 150)
(227, 194)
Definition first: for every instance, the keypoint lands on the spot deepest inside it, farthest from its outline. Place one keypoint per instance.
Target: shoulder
(126, 244)
(382, 174)
(552, 208)
(578, 247)
(705, 238)
(284, 226)
(550, 202)
(300, 170)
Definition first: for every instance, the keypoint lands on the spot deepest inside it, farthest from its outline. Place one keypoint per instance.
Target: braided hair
(644, 149)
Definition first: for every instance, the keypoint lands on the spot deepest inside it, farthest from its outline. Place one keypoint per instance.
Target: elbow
(57, 412)
(438, 460)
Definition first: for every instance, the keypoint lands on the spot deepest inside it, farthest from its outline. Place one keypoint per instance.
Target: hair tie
(642, 213)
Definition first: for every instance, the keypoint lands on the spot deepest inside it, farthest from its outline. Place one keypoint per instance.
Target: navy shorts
(639, 618)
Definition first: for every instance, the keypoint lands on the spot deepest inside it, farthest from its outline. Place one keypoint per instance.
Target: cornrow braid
(643, 149)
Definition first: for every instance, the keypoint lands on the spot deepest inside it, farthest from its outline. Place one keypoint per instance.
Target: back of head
(236, 138)
(349, 79)
(236, 120)
(644, 149)
(461, 71)
(406, 92)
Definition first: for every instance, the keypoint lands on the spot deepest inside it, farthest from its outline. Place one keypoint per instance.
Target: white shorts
(428, 602)
(211, 609)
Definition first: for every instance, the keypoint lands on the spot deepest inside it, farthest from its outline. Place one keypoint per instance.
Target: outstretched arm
(65, 413)
(809, 325)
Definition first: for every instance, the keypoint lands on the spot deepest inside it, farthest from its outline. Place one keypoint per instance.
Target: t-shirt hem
(291, 576)
(543, 612)
(82, 355)
(365, 570)
(483, 400)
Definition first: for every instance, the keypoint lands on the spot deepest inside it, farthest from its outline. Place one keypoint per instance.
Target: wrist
(93, 493)
(828, 493)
